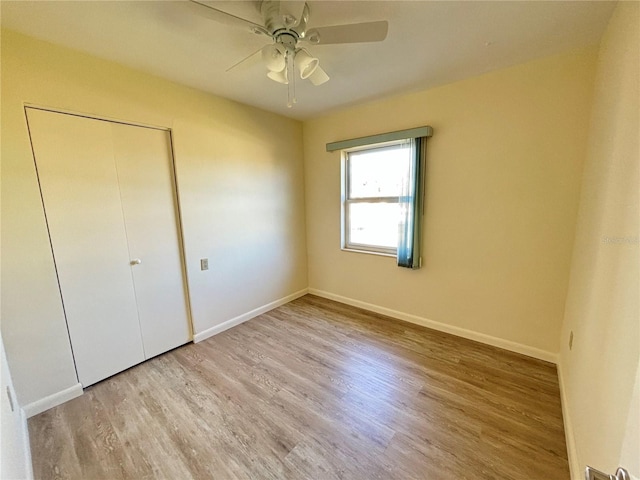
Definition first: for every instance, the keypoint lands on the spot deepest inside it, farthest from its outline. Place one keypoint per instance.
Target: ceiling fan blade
(248, 61)
(319, 76)
(207, 11)
(353, 33)
(291, 11)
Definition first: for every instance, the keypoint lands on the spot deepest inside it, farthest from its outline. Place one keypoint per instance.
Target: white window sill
(369, 252)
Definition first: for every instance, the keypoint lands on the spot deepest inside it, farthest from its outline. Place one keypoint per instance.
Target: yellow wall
(602, 304)
(503, 179)
(240, 182)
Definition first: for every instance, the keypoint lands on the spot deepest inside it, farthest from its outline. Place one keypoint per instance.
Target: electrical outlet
(571, 340)
(204, 264)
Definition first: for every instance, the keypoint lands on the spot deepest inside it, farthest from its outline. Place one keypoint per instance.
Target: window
(382, 193)
(373, 184)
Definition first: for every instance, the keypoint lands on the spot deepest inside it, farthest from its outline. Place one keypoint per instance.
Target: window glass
(378, 172)
(375, 179)
(374, 224)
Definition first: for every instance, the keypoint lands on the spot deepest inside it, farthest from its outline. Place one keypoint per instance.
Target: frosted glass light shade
(280, 77)
(319, 77)
(306, 64)
(273, 57)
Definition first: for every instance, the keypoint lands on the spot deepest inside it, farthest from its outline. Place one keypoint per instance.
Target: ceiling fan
(285, 22)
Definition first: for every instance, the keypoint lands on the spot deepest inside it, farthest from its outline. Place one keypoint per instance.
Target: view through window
(375, 178)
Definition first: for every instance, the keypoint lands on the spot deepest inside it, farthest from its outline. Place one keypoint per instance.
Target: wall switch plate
(204, 264)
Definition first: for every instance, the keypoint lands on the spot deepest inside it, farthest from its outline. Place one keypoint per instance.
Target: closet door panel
(79, 185)
(145, 172)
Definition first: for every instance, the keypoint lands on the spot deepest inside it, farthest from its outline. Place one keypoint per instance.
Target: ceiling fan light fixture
(285, 22)
(319, 77)
(273, 56)
(306, 63)
(280, 77)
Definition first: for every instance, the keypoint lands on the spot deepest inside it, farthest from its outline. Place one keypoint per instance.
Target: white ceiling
(429, 43)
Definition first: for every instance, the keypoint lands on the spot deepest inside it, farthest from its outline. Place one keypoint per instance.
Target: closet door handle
(135, 261)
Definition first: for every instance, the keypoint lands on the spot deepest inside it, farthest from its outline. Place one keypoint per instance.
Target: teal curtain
(412, 205)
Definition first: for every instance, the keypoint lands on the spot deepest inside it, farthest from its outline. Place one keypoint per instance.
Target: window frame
(345, 201)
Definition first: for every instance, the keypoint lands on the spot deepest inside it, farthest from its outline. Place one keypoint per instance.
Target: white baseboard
(443, 327)
(574, 467)
(209, 332)
(53, 400)
(28, 465)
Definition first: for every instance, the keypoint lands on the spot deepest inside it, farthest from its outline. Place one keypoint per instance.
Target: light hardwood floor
(314, 390)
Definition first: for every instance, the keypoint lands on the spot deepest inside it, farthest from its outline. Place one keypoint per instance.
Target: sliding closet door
(145, 172)
(79, 184)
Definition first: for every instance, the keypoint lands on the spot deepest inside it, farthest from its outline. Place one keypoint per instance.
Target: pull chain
(291, 79)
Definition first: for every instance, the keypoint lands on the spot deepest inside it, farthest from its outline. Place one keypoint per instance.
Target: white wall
(502, 188)
(602, 310)
(240, 184)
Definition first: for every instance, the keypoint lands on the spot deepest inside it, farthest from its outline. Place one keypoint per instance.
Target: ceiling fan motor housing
(284, 25)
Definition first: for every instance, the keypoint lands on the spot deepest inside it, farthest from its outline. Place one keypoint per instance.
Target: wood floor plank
(314, 390)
